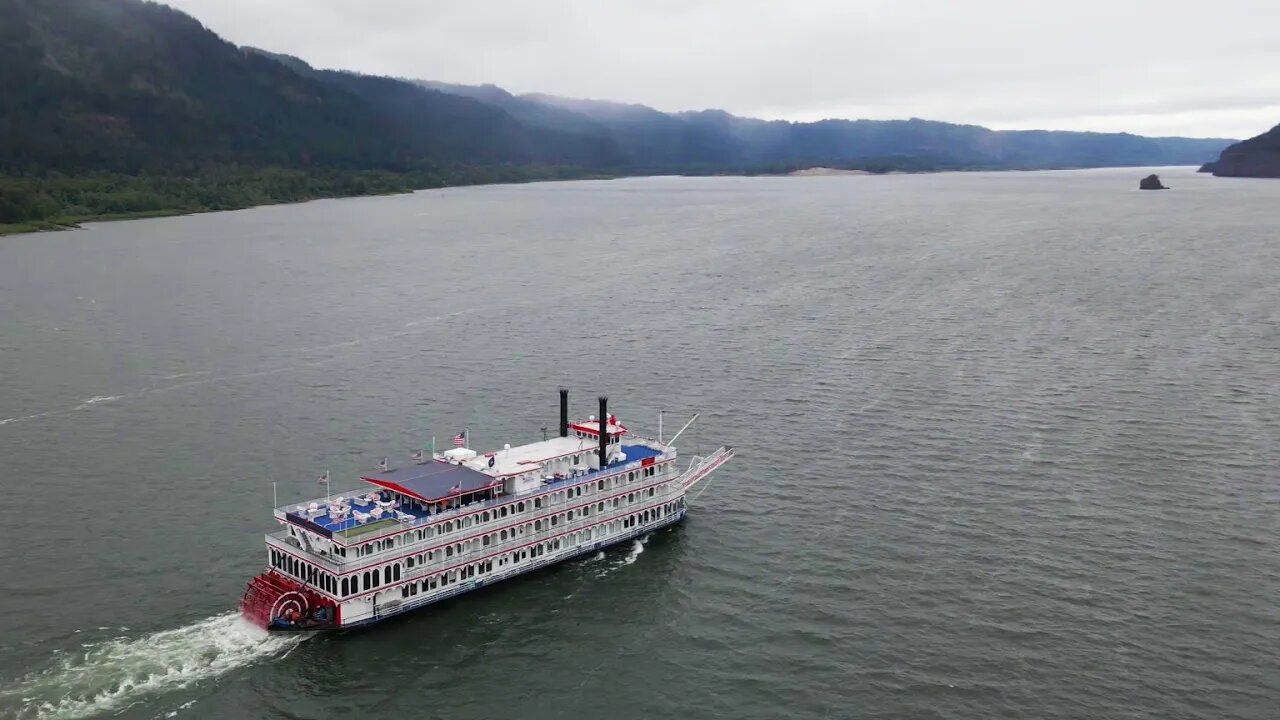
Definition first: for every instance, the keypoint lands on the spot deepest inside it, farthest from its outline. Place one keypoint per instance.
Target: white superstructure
(462, 520)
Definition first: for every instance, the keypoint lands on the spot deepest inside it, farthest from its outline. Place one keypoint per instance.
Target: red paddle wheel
(272, 595)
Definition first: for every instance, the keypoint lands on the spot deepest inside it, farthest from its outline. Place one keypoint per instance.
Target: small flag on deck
(382, 466)
(325, 477)
(416, 456)
(456, 488)
(460, 439)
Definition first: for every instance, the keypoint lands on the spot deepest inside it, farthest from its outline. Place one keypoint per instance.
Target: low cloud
(1181, 66)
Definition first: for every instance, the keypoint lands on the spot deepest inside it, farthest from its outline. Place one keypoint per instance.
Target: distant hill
(128, 107)
(1256, 157)
(715, 139)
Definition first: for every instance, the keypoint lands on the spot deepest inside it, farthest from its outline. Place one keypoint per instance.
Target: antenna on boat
(686, 427)
(660, 426)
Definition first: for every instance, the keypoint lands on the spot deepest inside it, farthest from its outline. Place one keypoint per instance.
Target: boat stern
(277, 603)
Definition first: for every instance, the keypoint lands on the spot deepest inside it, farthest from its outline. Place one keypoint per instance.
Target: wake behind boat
(459, 521)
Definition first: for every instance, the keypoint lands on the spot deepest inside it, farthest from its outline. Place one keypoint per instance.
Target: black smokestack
(564, 412)
(604, 430)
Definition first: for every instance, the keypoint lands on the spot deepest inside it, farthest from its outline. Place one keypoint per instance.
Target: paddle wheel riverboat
(456, 521)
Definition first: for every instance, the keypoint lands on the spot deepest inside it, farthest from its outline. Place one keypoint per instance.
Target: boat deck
(409, 514)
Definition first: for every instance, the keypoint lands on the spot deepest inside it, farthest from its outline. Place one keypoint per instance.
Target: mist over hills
(128, 107)
(716, 141)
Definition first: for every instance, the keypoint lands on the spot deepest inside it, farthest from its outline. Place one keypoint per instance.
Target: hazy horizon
(1182, 68)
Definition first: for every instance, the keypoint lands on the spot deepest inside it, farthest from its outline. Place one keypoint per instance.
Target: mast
(686, 427)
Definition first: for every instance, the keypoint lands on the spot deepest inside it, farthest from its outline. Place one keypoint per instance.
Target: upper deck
(416, 495)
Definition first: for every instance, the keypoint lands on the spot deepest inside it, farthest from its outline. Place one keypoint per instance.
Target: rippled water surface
(1008, 446)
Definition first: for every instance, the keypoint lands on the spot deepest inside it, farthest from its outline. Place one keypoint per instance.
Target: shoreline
(76, 222)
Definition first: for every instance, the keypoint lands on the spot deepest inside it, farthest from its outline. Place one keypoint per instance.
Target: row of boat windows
(304, 571)
(516, 557)
(595, 437)
(391, 573)
(375, 578)
(504, 511)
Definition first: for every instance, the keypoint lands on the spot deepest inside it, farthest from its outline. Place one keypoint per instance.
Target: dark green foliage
(128, 107)
(1256, 157)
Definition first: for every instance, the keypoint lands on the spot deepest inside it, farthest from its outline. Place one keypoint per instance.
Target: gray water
(1007, 446)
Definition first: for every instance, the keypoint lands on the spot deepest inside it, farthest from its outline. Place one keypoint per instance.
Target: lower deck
(474, 574)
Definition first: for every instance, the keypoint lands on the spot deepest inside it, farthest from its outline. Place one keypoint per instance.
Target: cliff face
(1256, 157)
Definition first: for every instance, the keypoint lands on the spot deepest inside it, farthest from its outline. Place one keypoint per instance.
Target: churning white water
(114, 674)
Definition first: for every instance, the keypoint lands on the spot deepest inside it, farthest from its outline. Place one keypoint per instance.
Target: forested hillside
(1258, 156)
(127, 107)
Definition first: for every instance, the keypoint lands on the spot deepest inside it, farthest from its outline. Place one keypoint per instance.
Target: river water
(1007, 446)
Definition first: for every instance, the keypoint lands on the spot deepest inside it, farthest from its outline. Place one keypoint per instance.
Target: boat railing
(441, 563)
(286, 541)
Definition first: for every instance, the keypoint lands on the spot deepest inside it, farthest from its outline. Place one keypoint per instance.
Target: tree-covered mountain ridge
(127, 107)
(1258, 157)
(717, 140)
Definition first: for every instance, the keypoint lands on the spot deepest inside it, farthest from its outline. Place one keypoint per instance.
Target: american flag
(325, 477)
(460, 439)
(416, 456)
(382, 466)
(456, 488)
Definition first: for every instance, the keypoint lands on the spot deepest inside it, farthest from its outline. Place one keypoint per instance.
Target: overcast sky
(1171, 67)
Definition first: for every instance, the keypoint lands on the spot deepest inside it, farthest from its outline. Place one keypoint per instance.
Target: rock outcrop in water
(1256, 157)
(1151, 182)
